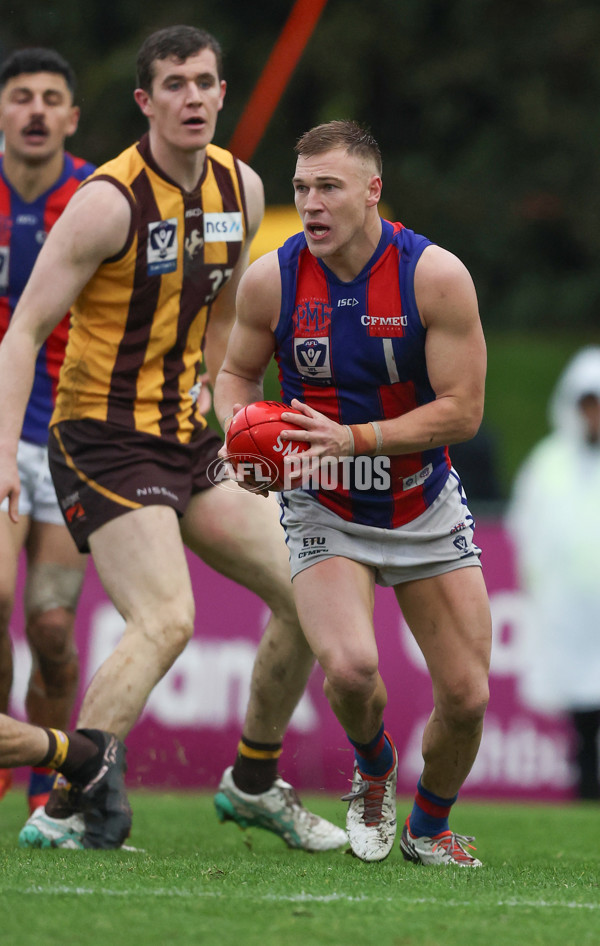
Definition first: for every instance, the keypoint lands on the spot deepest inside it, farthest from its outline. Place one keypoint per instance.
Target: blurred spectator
(476, 463)
(554, 518)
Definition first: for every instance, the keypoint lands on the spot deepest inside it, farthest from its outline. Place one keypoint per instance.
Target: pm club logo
(162, 247)
(223, 227)
(312, 358)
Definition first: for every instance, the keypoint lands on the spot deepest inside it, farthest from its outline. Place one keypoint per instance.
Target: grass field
(199, 882)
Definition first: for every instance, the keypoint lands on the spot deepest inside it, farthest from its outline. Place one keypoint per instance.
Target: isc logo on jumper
(161, 252)
(223, 227)
(312, 358)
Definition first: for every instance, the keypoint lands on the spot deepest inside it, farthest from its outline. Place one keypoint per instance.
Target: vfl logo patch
(223, 227)
(312, 358)
(161, 250)
(460, 542)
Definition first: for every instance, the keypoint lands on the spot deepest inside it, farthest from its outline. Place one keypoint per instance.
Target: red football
(254, 444)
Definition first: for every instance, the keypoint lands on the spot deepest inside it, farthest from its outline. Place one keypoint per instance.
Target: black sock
(255, 768)
(75, 754)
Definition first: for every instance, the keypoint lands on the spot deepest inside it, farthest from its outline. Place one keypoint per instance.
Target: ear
(223, 91)
(144, 101)
(374, 191)
(73, 121)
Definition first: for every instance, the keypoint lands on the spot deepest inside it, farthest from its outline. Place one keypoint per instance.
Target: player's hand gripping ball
(255, 447)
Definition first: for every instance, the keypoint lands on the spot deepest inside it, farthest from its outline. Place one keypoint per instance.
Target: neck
(183, 167)
(352, 259)
(30, 180)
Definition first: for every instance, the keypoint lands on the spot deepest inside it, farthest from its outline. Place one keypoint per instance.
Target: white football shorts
(38, 496)
(439, 540)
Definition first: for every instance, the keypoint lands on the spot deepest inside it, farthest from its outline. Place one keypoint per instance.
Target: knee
(463, 704)
(50, 636)
(169, 629)
(351, 676)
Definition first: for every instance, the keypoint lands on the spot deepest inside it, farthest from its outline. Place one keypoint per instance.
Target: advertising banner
(191, 725)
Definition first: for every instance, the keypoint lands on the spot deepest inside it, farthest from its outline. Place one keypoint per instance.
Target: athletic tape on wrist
(351, 439)
(378, 435)
(365, 439)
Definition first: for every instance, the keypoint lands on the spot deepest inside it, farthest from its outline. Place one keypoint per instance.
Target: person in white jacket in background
(554, 520)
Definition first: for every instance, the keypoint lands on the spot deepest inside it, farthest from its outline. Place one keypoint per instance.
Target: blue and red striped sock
(376, 757)
(430, 813)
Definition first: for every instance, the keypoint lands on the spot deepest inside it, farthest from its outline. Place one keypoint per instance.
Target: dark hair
(36, 59)
(340, 134)
(180, 42)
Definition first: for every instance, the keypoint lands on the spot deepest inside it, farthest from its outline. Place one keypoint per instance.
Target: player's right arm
(93, 227)
(251, 342)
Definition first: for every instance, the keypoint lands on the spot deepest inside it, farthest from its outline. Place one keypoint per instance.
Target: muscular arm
(456, 359)
(222, 315)
(93, 227)
(251, 342)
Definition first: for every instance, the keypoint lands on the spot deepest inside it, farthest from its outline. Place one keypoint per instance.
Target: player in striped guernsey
(149, 255)
(37, 179)
(379, 344)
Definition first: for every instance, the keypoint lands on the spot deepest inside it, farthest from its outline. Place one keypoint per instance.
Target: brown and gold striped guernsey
(137, 328)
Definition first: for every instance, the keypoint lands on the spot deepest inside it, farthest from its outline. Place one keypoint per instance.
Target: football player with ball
(380, 349)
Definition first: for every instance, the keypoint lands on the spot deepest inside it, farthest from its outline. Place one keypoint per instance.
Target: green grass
(199, 882)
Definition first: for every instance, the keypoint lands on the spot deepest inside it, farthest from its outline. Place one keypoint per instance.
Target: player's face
(333, 194)
(185, 101)
(36, 115)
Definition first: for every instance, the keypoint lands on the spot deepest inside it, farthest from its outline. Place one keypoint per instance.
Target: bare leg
(239, 535)
(340, 631)
(54, 579)
(12, 537)
(449, 617)
(141, 563)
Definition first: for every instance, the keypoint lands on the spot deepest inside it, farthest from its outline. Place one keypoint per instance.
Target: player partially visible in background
(37, 178)
(149, 254)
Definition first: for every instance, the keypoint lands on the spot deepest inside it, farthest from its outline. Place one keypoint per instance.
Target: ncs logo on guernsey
(223, 227)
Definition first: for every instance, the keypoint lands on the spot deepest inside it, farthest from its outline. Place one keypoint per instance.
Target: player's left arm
(222, 315)
(455, 354)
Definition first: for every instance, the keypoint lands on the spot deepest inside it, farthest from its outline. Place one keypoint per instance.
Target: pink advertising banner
(189, 731)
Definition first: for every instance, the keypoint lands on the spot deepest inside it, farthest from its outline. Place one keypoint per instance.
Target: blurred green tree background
(488, 116)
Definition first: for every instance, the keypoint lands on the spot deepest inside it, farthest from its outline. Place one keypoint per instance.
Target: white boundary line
(302, 897)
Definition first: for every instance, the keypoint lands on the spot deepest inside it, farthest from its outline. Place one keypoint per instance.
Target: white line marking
(301, 897)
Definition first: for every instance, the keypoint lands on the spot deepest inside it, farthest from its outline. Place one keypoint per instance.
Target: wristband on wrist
(351, 439)
(365, 439)
(378, 436)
